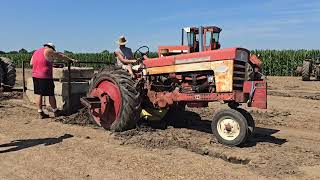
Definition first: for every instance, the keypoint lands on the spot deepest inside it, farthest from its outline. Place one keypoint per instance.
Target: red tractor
(193, 74)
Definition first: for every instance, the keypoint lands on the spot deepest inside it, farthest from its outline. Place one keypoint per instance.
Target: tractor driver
(124, 56)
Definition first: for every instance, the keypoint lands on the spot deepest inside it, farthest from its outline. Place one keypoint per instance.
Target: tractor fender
(254, 60)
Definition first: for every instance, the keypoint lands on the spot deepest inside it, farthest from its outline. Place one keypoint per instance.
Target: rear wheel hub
(110, 97)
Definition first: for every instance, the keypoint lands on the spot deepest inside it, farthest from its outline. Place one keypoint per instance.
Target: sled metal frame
(69, 78)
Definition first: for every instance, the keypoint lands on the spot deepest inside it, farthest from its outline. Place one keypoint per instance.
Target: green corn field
(283, 62)
(275, 62)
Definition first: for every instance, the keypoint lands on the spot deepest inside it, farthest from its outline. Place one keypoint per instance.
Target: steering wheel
(140, 52)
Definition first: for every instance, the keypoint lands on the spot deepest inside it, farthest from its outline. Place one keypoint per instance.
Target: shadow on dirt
(28, 143)
(264, 135)
(188, 120)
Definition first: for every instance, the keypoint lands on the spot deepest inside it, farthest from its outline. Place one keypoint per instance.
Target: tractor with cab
(191, 74)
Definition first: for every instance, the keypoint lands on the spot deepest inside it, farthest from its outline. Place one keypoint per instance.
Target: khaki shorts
(125, 67)
(134, 68)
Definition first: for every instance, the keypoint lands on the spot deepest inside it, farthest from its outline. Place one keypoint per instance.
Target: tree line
(24, 51)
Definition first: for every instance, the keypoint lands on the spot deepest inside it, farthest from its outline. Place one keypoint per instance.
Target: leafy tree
(2, 52)
(105, 52)
(23, 51)
(68, 52)
(13, 52)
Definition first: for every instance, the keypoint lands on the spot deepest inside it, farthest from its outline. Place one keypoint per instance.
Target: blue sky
(94, 25)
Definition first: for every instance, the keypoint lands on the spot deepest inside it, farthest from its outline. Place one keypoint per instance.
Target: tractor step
(91, 102)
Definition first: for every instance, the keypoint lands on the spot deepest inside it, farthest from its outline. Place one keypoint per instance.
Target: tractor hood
(239, 54)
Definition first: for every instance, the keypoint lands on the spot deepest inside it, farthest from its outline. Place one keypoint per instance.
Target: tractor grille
(239, 74)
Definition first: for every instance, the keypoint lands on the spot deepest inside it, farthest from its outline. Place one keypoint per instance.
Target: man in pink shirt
(42, 67)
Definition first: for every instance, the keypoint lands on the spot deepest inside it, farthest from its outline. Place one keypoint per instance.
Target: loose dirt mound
(270, 117)
(81, 118)
(10, 95)
(194, 141)
(315, 97)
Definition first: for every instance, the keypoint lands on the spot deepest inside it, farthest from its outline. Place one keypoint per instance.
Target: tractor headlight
(242, 55)
(210, 78)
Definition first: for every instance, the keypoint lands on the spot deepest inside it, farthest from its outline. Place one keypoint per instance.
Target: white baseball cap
(50, 45)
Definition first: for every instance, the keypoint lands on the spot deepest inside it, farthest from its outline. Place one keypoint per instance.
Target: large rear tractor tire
(9, 71)
(124, 106)
(306, 71)
(230, 127)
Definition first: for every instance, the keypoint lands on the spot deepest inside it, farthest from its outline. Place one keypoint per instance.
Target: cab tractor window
(216, 37)
(190, 37)
(208, 38)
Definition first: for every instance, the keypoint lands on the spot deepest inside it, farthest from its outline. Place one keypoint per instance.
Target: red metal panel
(163, 99)
(203, 96)
(158, 62)
(214, 55)
(259, 90)
(256, 61)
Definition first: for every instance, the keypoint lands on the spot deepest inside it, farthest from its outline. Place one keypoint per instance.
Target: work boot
(43, 115)
(58, 113)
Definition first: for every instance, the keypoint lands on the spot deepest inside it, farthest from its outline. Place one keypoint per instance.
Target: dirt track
(286, 144)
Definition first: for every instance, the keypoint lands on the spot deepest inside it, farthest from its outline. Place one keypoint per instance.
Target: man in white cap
(42, 67)
(124, 56)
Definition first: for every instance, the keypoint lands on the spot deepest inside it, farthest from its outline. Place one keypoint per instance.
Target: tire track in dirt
(299, 94)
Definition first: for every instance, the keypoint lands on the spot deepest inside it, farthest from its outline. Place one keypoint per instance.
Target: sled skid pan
(91, 102)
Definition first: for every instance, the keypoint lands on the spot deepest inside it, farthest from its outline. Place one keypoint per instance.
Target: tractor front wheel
(250, 121)
(230, 127)
(120, 101)
(306, 71)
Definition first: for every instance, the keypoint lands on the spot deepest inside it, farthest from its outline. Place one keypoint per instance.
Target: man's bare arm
(31, 61)
(124, 60)
(58, 55)
(52, 55)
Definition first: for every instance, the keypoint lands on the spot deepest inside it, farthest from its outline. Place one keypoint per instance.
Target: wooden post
(23, 77)
(69, 88)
